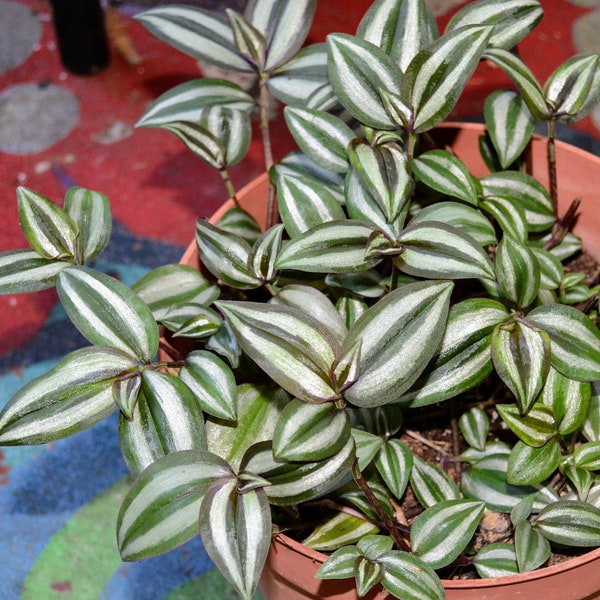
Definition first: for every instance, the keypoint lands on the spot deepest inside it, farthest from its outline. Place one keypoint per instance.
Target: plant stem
(266, 140)
(230, 189)
(385, 518)
(552, 164)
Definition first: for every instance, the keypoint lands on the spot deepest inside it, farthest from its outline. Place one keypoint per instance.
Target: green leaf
(335, 534)
(580, 479)
(441, 532)
(199, 33)
(294, 483)
(357, 71)
(437, 75)
(401, 29)
(241, 223)
(367, 574)
(186, 101)
(399, 336)
(575, 340)
(383, 170)
(367, 447)
(535, 428)
(430, 484)
(496, 560)
(225, 255)
(410, 578)
(51, 232)
(26, 271)
(551, 269)
(587, 456)
(323, 137)
(107, 312)
(509, 215)
(444, 172)
(310, 432)
(528, 465)
(236, 532)
(264, 252)
(336, 246)
(74, 395)
(570, 523)
(463, 359)
(521, 356)
(509, 124)
(340, 565)
(591, 426)
(474, 426)
(90, 212)
(304, 204)
(160, 511)
(167, 419)
(532, 548)
(394, 463)
(523, 79)
(249, 42)
(231, 128)
(512, 19)
(573, 86)
(290, 345)
(437, 250)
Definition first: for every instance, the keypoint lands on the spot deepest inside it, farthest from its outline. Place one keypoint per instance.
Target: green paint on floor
(209, 586)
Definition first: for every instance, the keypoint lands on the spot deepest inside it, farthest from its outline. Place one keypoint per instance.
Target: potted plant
(399, 353)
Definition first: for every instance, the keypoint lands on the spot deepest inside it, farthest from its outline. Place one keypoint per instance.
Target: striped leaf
(236, 532)
(185, 101)
(198, 140)
(551, 269)
(354, 496)
(521, 356)
(475, 426)
(517, 272)
(107, 312)
(51, 232)
(338, 531)
(167, 419)
(310, 432)
(570, 523)
(523, 79)
(463, 359)
(569, 400)
(399, 336)
(394, 463)
(587, 456)
(264, 253)
(410, 578)
(304, 203)
(367, 573)
(26, 271)
(383, 170)
(528, 465)
(303, 76)
(509, 125)
(591, 427)
(340, 565)
(367, 447)
(192, 321)
(199, 33)
(440, 251)
(496, 560)
(535, 428)
(523, 189)
(444, 172)
(285, 24)
(241, 223)
(357, 71)
(249, 41)
(288, 344)
(430, 484)
(296, 483)
(72, 396)
(512, 19)
(400, 29)
(509, 215)
(225, 255)
(126, 391)
(323, 137)
(90, 212)
(333, 247)
(532, 548)
(258, 410)
(437, 75)
(160, 511)
(440, 533)
(212, 383)
(575, 340)
(573, 87)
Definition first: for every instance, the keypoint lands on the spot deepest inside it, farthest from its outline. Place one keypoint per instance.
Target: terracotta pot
(289, 572)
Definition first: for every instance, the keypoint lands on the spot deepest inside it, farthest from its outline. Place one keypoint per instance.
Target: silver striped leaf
(26, 271)
(517, 272)
(249, 41)
(570, 523)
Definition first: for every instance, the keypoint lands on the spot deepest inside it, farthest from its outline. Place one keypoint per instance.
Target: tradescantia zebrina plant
(392, 293)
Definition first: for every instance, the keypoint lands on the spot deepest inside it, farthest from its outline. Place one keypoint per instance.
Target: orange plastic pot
(290, 568)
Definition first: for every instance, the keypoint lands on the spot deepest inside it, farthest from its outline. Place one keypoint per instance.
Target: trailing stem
(267, 149)
(383, 516)
(552, 164)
